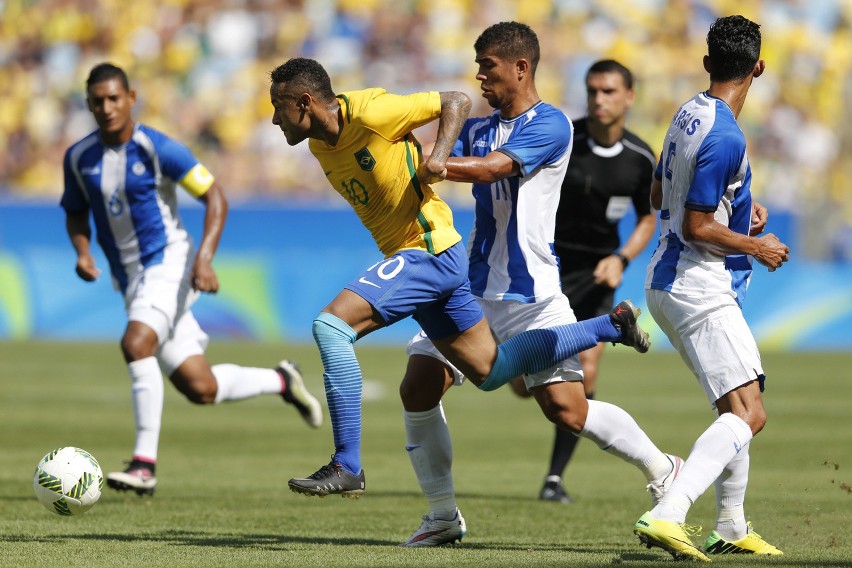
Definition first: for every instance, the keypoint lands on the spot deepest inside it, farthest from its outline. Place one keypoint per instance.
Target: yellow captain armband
(197, 180)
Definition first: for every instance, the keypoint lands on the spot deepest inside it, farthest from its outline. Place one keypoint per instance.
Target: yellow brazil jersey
(374, 164)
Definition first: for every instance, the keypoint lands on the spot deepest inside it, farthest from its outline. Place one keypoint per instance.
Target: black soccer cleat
(553, 491)
(330, 479)
(624, 317)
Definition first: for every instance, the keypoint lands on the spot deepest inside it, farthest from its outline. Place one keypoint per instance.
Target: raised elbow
(689, 234)
(457, 100)
(464, 102)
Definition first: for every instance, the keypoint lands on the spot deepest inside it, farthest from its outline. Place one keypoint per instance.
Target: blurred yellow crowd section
(200, 68)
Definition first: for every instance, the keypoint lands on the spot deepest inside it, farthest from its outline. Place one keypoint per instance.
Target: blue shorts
(433, 289)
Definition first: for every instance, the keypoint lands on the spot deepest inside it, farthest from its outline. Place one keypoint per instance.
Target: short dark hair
(104, 72)
(611, 66)
(510, 40)
(733, 45)
(305, 74)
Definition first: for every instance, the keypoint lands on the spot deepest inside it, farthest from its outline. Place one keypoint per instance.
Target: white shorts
(187, 340)
(712, 337)
(508, 319)
(160, 296)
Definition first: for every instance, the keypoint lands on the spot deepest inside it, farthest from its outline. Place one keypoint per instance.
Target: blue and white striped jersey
(130, 191)
(703, 167)
(511, 244)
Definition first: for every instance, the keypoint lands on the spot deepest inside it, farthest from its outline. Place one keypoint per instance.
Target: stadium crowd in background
(195, 61)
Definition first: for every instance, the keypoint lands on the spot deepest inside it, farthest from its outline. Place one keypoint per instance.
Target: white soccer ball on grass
(68, 481)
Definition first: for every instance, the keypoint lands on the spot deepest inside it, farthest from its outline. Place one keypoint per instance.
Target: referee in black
(610, 171)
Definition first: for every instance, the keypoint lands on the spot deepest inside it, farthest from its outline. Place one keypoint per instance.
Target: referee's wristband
(624, 260)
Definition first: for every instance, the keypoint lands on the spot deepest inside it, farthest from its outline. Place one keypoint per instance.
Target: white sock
(730, 496)
(236, 383)
(713, 450)
(615, 432)
(146, 391)
(431, 453)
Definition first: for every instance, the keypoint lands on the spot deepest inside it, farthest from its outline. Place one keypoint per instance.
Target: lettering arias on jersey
(685, 121)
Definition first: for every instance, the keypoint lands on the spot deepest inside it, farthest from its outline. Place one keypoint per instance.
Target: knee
(755, 418)
(425, 382)
(136, 346)
(567, 418)
(415, 399)
(407, 393)
(318, 330)
(756, 421)
(200, 397)
(197, 386)
(753, 414)
(328, 329)
(571, 421)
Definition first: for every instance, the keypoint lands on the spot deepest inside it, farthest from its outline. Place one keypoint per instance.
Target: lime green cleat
(670, 536)
(753, 543)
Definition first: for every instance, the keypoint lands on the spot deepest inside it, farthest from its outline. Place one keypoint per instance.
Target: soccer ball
(68, 481)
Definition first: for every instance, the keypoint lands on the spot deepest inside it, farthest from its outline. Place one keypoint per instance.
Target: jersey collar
(603, 151)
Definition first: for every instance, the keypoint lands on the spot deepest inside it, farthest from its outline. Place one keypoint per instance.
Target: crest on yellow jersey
(365, 159)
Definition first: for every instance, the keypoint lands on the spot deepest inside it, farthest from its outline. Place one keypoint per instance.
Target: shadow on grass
(269, 541)
(281, 542)
(188, 538)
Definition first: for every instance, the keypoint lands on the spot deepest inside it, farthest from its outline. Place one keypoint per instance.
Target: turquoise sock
(539, 349)
(343, 383)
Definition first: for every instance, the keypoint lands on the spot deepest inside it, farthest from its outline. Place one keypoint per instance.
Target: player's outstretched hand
(772, 253)
(86, 268)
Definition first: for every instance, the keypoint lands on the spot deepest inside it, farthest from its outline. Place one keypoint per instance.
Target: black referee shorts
(588, 300)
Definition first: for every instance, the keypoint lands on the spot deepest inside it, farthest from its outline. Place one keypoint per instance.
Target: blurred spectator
(197, 64)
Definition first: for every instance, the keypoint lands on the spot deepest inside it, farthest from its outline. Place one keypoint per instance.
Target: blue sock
(539, 349)
(342, 377)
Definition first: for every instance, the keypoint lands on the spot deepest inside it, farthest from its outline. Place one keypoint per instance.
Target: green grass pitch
(223, 500)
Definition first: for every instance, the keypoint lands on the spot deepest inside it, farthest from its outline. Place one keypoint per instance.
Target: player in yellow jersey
(364, 143)
(380, 182)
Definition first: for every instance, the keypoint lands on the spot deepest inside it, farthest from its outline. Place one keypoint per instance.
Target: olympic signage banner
(280, 265)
